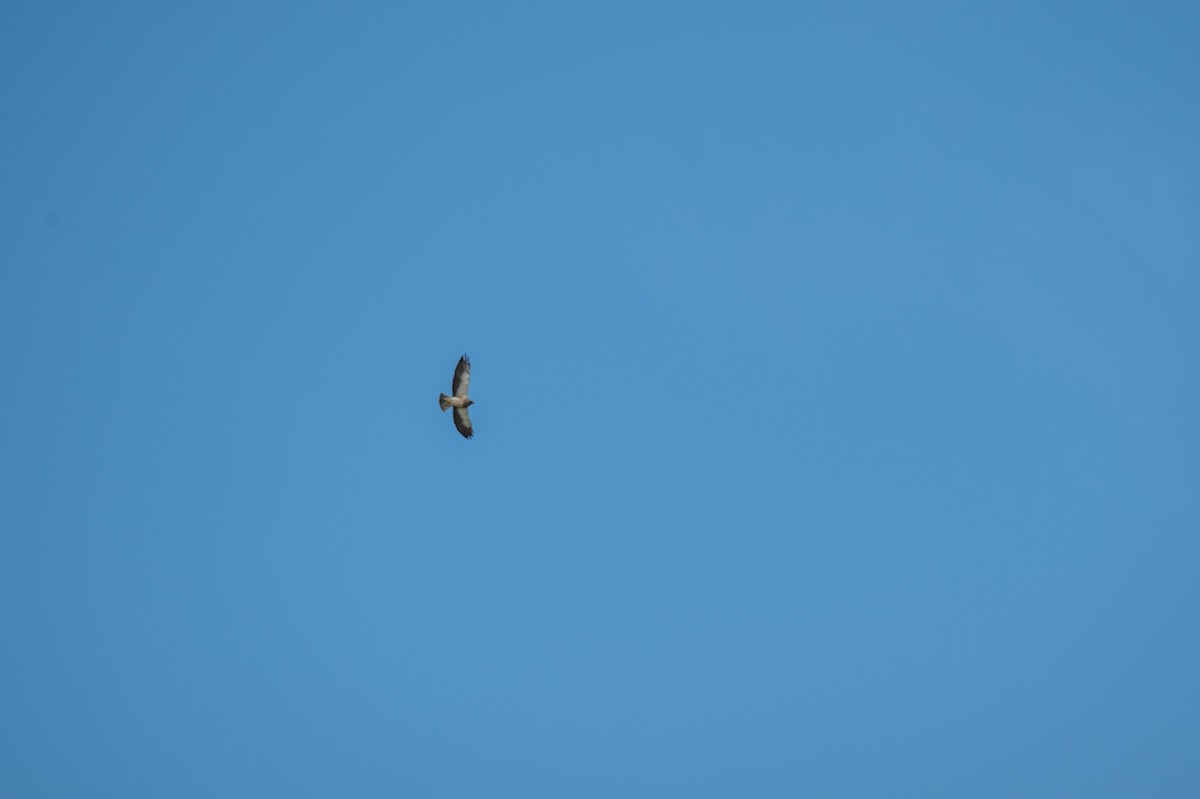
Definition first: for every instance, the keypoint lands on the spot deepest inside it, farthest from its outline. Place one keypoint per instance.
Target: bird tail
(443, 401)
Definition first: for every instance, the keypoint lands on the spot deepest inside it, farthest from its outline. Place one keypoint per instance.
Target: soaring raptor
(459, 402)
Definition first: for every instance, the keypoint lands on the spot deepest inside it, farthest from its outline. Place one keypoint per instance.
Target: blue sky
(836, 380)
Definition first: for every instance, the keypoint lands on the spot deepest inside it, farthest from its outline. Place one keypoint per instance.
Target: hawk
(459, 402)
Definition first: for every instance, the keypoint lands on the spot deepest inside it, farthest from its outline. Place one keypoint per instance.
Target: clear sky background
(836, 370)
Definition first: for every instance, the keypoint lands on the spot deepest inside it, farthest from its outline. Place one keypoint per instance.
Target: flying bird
(459, 402)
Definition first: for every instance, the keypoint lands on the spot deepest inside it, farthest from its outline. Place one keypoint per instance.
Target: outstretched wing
(463, 422)
(462, 376)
